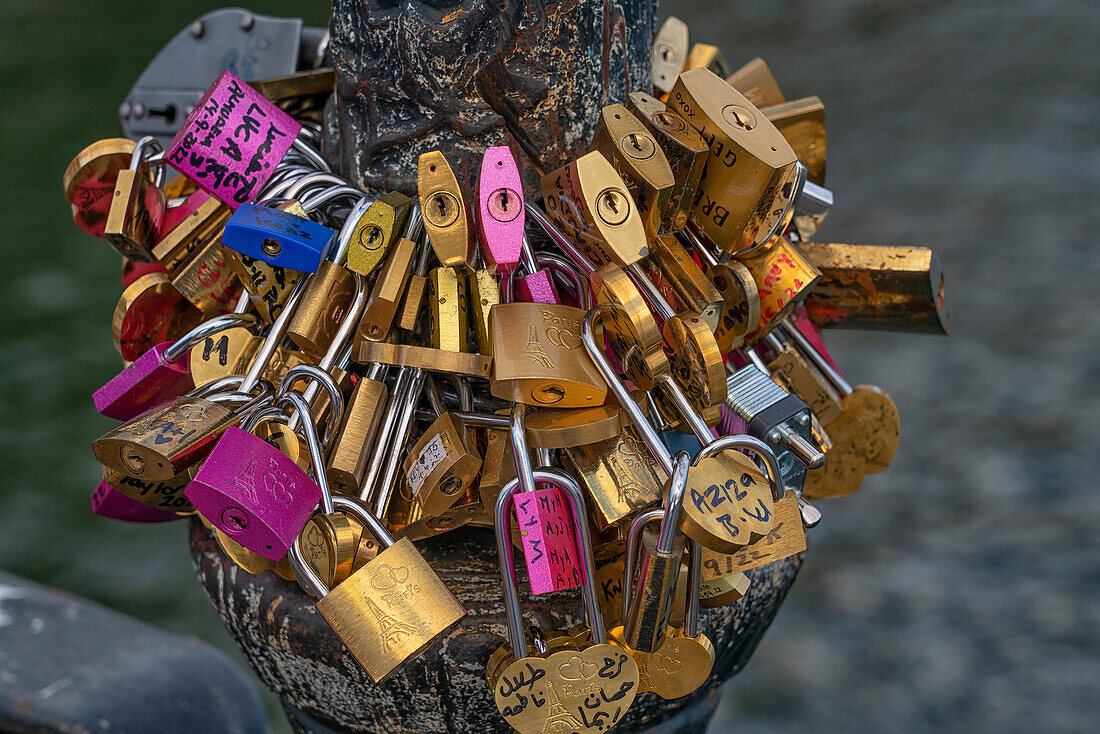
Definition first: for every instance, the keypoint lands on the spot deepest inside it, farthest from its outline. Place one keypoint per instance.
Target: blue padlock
(277, 237)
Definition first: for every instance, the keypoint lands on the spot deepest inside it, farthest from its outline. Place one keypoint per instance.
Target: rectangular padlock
(546, 529)
(802, 123)
(277, 237)
(755, 81)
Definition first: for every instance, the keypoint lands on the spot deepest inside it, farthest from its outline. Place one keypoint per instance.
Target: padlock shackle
(674, 503)
(502, 515)
(805, 347)
(637, 526)
(653, 297)
(261, 414)
(141, 153)
(274, 336)
(785, 217)
(415, 224)
(687, 411)
(520, 449)
(641, 423)
(559, 264)
(382, 441)
(306, 576)
(314, 374)
(316, 456)
(398, 439)
(564, 243)
(328, 195)
(312, 156)
(694, 582)
(690, 238)
(205, 329)
(750, 443)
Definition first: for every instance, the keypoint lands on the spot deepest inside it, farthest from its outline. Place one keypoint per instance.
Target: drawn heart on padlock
(578, 691)
(387, 577)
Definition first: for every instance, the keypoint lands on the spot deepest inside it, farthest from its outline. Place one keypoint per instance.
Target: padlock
(500, 210)
(251, 562)
(231, 142)
(160, 374)
(163, 494)
(89, 181)
(350, 448)
(447, 309)
(162, 443)
(137, 206)
(537, 694)
(545, 527)
(390, 610)
(694, 290)
(443, 207)
(629, 146)
(322, 309)
(279, 238)
(182, 236)
(653, 566)
(562, 428)
(802, 123)
(684, 148)
(750, 182)
(755, 81)
(372, 227)
(697, 364)
(111, 503)
(786, 538)
(150, 311)
(631, 331)
(591, 204)
(669, 51)
(894, 288)
(714, 516)
(798, 377)
(442, 465)
(208, 279)
(415, 289)
(810, 210)
(227, 353)
(382, 476)
(620, 475)
(551, 368)
(432, 360)
(390, 285)
(706, 56)
(254, 493)
(740, 296)
(682, 664)
(272, 426)
(863, 438)
(497, 469)
(484, 294)
(784, 278)
(329, 545)
(269, 286)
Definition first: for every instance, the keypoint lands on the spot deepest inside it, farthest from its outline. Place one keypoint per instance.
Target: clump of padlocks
(624, 380)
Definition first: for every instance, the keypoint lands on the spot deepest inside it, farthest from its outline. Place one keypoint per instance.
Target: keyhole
(550, 395)
(271, 247)
(442, 204)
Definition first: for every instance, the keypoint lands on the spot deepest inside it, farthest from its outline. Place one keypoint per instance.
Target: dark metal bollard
(298, 656)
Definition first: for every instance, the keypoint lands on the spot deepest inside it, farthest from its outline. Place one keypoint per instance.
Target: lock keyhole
(271, 247)
(504, 205)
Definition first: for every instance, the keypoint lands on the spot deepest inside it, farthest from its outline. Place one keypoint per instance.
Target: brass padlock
(204, 222)
(351, 446)
(706, 56)
(390, 610)
(590, 202)
(374, 227)
(684, 148)
(162, 443)
(137, 207)
(219, 355)
(755, 81)
(560, 428)
(208, 280)
(670, 49)
(697, 364)
(497, 469)
(89, 181)
(784, 278)
(796, 374)
(447, 308)
(749, 186)
(621, 476)
(432, 360)
(629, 146)
(446, 217)
(322, 308)
(390, 285)
(786, 538)
(631, 331)
(690, 284)
(441, 465)
(802, 123)
(164, 494)
(484, 294)
(551, 367)
(415, 290)
(741, 299)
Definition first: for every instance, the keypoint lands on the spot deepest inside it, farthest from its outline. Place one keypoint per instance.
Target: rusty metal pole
(459, 76)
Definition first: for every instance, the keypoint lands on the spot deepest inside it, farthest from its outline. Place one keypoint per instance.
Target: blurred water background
(957, 592)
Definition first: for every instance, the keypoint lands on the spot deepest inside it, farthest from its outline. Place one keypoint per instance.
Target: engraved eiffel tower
(533, 350)
(392, 630)
(558, 719)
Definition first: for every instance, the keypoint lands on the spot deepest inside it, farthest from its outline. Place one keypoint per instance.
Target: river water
(957, 592)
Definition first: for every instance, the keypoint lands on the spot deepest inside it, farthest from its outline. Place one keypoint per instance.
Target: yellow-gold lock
(374, 227)
(137, 206)
(802, 123)
(447, 307)
(621, 476)
(442, 465)
(755, 81)
(389, 288)
(446, 217)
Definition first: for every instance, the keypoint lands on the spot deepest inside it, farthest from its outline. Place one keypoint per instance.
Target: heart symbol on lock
(386, 577)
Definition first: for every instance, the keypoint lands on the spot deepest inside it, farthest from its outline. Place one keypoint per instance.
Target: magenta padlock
(109, 502)
(500, 210)
(159, 375)
(232, 141)
(256, 494)
(549, 547)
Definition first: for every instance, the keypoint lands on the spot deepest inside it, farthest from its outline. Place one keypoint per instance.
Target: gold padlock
(150, 311)
(552, 368)
(497, 469)
(389, 611)
(802, 123)
(137, 208)
(630, 328)
(786, 538)
(203, 224)
(684, 148)
(390, 285)
(441, 465)
(161, 444)
(688, 281)
(748, 186)
(431, 360)
(376, 230)
(329, 544)
(89, 181)
(322, 308)
(795, 374)
(629, 146)
(442, 204)
(269, 286)
(249, 560)
(697, 364)
(620, 474)
(670, 49)
(447, 302)
(164, 494)
(208, 280)
(784, 278)
(560, 428)
(484, 294)
(706, 56)
(351, 446)
(415, 290)
(755, 81)
(226, 353)
(590, 202)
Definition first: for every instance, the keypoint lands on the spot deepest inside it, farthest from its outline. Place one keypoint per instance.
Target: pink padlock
(256, 494)
(109, 502)
(500, 209)
(232, 141)
(549, 549)
(159, 375)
